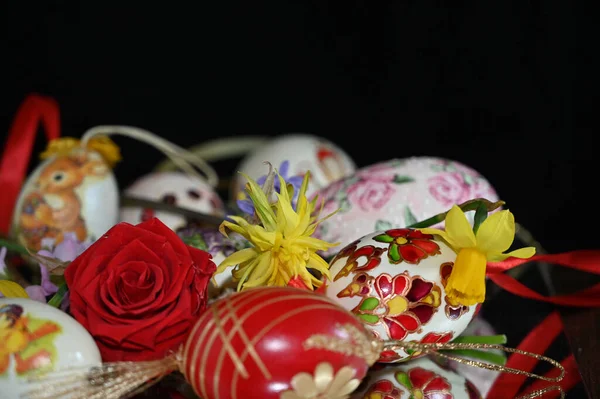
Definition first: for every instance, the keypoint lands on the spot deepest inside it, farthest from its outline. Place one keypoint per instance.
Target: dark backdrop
(489, 84)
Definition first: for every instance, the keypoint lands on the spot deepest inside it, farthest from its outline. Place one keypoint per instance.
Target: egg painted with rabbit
(394, 281)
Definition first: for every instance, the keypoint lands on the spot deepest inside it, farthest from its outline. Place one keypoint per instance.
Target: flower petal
(440, 233)
(522, 253)
(459, 229)
(497, 232)
(236, 258)
(342, 383)
(10, 289)
(323, 376)
(304, 385)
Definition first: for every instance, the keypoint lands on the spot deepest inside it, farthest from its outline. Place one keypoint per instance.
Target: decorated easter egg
(36, 338)
(326, 161)
(173, 188)
(421, 378)
(73, 193)
(397, 193)
(277, 343)
(220, 247)
(394, 281)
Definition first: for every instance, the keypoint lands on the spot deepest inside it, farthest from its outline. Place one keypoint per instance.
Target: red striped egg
(276, 342)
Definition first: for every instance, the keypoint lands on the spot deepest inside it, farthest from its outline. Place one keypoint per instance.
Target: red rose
(138, 290)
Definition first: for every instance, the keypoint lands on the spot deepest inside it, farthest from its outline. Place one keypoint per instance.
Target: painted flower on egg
(407, 245)
(424, 384)
(383, 389)
(370, 254)
(402, 303)
(323, 385)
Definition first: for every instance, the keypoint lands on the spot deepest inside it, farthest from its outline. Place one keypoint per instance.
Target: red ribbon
(35, 109)
(537, 341)
(584, 260)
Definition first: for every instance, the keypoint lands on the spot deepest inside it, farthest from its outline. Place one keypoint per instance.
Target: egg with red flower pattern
(394, 281)
(421, 379)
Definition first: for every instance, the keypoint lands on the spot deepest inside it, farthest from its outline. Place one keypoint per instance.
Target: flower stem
(481, 339)
(57, 299)
(467, 206)
(489, 357)
(480, 215)
(13, 246)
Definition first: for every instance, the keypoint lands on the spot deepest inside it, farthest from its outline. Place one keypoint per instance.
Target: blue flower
(245, 204)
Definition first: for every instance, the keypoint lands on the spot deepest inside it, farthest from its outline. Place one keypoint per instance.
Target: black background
(490, 84)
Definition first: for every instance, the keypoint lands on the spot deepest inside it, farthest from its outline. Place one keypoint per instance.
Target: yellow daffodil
(466, 284)
(282, 246)
(10, 289)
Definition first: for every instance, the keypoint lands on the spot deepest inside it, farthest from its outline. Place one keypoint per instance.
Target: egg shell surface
(394, 281)
(421, 378)
(74, 193)
(326, 161)
(396, 193)
(36, 337)
(173, 188)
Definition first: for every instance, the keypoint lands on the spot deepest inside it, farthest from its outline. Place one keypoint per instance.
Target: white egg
(75, 193)
(394, 282)
(421, 378)
(326, 161)
(174, 188)
(37, 338)
(397, 193)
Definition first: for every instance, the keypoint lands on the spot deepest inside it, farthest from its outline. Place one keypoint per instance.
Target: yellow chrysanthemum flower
(62, 146)
(466, 284)
(282, 246)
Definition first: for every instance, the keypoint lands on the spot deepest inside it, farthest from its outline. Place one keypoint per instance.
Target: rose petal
(159, 228)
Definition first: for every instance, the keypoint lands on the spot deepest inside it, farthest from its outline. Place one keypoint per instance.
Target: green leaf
(486, 356)
(369, 318)
(382, 225)
(384, 238)
(196, 241)
(369, 304)
(399, 179)
(409, 217)
(481, 339)
(403, 379)
(481, 214)
(57, 299)
(393, 253)
(13, 246)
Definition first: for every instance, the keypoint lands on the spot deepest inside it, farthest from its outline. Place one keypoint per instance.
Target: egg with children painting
(293, 155)
(419, 379)
(68, 193)
(394, 281)
(397, 193)
(37, 338)
(172, 188)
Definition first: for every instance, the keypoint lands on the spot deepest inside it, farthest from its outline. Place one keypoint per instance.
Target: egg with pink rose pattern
(396, 193)
(421, 378)
(394, 281)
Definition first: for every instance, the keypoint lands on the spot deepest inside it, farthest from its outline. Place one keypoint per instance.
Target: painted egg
(220, 247)
(276, 343)
(75, 193)
(36, 338)
(394, 281)
(173, 188)
(421, 378)
(397, 193)
(304, 152)
(481, 378)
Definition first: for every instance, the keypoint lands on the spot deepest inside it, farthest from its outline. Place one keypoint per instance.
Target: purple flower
(68, 249)
(246, 204)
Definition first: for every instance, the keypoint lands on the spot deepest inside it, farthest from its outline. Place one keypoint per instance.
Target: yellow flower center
(397, 305)
(417, 394)
(401, 240)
